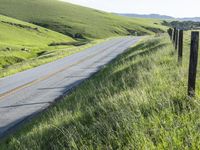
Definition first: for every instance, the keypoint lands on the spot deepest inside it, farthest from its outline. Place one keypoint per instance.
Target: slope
(76, 21)
(20, 40)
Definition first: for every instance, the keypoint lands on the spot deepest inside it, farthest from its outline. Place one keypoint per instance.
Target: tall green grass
(138, 101)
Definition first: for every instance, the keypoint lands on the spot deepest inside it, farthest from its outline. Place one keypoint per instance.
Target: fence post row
(193, 63)
(180, 46)
(177, 38)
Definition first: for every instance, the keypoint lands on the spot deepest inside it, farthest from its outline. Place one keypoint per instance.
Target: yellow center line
(8, 93)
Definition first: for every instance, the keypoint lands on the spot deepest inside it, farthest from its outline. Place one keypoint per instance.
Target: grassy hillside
(20, 41)
(137, 102)
(76, 21)
(24, 45)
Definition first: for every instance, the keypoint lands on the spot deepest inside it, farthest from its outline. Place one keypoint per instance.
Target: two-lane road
(26, 93)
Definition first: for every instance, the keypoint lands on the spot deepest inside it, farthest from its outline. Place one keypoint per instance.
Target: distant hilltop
(153, 16)
(158, 16)
(195, 19)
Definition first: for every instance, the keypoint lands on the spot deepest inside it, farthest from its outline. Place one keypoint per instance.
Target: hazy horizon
(169, 8)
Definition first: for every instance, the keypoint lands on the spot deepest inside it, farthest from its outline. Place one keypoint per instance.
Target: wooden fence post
(180, 47)
(174, 35)
(176, 39)
(170, 33)
(193, 63)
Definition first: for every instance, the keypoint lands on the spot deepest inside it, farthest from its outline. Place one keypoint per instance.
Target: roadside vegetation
(138, 101)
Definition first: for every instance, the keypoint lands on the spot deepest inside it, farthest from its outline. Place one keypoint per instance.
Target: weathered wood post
(174, 35)
(170, 33)
(180, 47)
(176, 39)
(193, 63)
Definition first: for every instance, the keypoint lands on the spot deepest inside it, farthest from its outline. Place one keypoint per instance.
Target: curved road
(27, 93)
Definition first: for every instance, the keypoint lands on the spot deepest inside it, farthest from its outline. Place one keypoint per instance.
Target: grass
(138, 101)
(77, 21)
(21, 41)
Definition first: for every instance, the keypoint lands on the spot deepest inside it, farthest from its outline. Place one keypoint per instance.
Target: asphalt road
(27, 93)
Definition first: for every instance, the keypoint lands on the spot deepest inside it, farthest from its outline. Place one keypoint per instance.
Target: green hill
(24, 45)
(76, 21)
(20, 40)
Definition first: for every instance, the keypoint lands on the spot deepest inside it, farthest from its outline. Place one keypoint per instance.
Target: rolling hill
(20, 40)
(76, 21)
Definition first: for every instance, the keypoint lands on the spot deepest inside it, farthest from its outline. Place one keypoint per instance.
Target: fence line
(177, 39)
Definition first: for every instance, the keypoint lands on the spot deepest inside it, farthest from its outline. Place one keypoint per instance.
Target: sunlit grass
(21, 42)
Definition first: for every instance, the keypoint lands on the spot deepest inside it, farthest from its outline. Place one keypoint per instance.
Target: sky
(175, 8)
